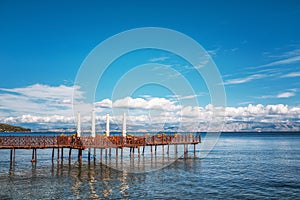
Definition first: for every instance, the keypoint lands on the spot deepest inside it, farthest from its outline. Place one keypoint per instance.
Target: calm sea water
(241, 166)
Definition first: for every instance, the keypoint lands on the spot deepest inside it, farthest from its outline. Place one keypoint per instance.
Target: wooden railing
(29, 142)
(173, 139)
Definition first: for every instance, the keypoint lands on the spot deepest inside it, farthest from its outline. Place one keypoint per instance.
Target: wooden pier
(89, 142)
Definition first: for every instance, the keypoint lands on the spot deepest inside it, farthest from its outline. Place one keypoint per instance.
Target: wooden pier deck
(88, 142)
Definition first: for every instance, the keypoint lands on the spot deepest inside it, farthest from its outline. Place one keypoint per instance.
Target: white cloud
(147, 104)
(286, 95)
(39, 119)
(244, 80)
(50, 106)
(40, 91)
(193, 96)
(162, 58)
(287, 54)
(286, 61)
(291, 75)
(213, 52)
(37, 100)
(105, 103)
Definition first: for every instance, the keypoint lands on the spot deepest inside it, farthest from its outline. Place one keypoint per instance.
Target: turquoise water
(241, 166)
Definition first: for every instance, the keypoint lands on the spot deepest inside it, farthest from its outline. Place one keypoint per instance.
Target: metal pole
(93, 133)
(107, 124)
(78, 125)
(124, 125)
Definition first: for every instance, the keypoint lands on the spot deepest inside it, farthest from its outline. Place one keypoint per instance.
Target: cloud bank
(50, 107)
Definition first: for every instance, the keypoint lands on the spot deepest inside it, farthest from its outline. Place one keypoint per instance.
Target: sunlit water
(247, 166)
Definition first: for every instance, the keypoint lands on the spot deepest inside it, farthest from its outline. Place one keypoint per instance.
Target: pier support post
(14, 158)
(185, 149)
(194, 150)
(101, 155)
(58, 154)
(70, 154)
(62, 154)
(121, 153)
(168, 149)
(33, 158)
(117, 153)
(79, 155)
(11, 154)
(52, 154)
(89, 155)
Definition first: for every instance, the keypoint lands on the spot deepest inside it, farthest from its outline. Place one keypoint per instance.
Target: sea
(240, 166)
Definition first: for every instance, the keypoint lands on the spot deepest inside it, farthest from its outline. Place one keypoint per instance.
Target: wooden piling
(52, 154)
(58, 155)
(116, 153)
(79, 155)
(62, 154)
(70, 154)
(168, 149)
(14, 156)
(101, 154)
(33, 157)
(11, 154)
(121, 153)
(94, 154)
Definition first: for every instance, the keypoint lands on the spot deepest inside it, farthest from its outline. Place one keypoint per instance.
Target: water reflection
(90, 180)
(76, 180)
(81, 180)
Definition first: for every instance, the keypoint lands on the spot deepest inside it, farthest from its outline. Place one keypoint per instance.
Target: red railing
(28, 142)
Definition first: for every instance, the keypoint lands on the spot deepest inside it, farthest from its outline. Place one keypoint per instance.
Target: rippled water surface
(241, 166)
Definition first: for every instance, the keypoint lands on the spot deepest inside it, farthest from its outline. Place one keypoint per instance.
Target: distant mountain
(10, 128)
(228, 126)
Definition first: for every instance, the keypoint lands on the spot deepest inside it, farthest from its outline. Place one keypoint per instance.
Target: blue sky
(255, 45)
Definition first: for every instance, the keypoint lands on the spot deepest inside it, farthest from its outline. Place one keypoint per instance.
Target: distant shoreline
(6, 128)
(151, 133)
